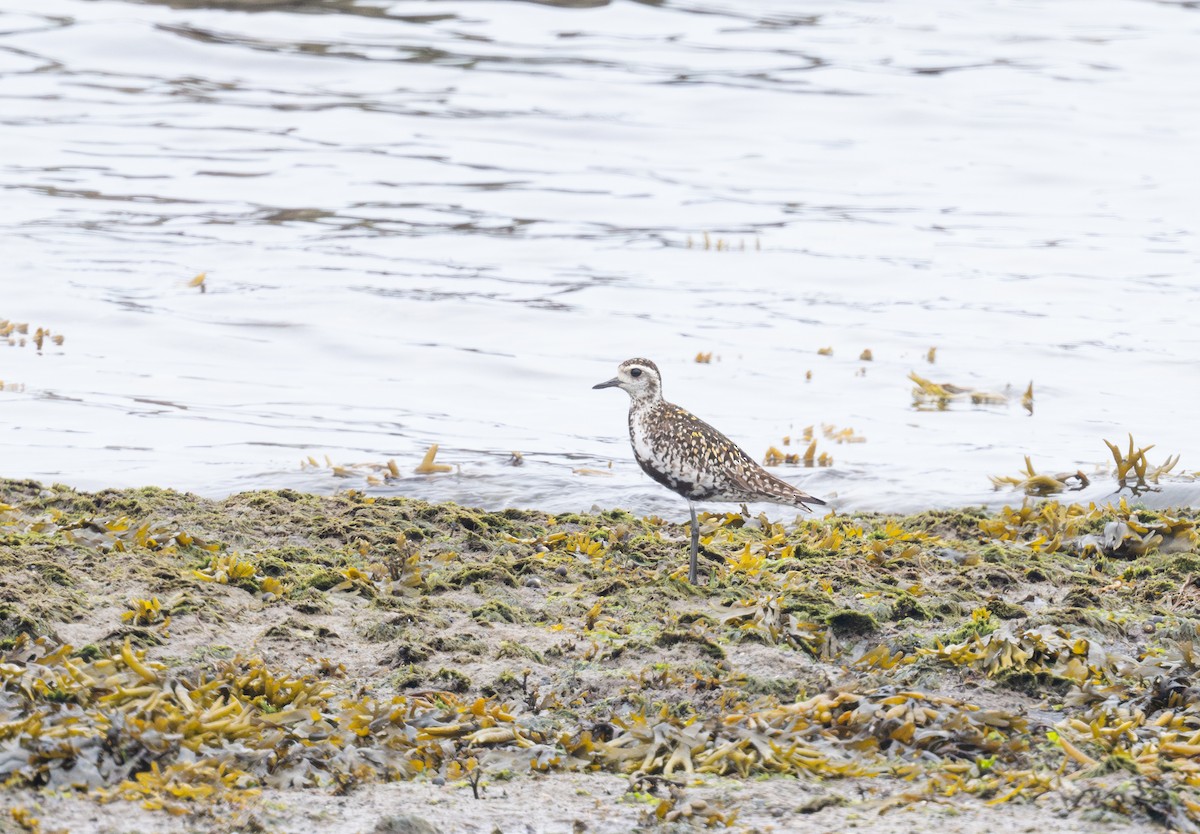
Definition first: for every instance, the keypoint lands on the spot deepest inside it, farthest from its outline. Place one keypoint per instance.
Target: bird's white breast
(639, 435)
(656, 451)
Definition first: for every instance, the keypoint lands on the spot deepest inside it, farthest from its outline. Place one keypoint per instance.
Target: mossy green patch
(451, 680)
(456, 643)
(494, 611)
(513, 649)
(980, 624)
(785, 689)
(324, 579)
(405, 653)
(1035, 684)
(673, 637)
(14, 621)
(1006, 610)
(848, 621)
(310, 601)
(486, 572)
(907, 607)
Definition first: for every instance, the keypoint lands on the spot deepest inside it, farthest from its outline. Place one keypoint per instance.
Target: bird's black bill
(612, 383)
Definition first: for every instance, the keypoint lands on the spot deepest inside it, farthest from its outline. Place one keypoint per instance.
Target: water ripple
(442, 222)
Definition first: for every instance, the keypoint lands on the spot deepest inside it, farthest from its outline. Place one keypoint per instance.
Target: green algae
(494, 611)
(472, 574)
(1035, 684)
(310, 601)
(451, 680)
(456, 643)
(705, 644)
(405, 653)
(784, 689)
(18, 619)
(513, 649)
(1005, 610)
(849, 622)
(324, 579)
(981, 624)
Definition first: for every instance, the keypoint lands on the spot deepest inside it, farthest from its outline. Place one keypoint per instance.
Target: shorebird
(687, 455)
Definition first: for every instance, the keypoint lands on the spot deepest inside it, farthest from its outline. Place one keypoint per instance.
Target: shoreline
(280, 648)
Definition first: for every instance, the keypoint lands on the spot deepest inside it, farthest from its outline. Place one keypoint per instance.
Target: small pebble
(561, 571)
(438, 780)
(532, 582)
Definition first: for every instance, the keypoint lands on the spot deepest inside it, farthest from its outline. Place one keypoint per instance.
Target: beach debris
(931, 355)
(704, 358)
(928, 394)
(825, 351)
(377, 474)
(428, 467)
(774, 457)
(1033, 483)
(17, 334)
(866, 355)
(592, 472)
(1051, 526)
(228, 569)
(720, 244)
(809, 457)
(143, 612)
(838, 435)
(1132, 470)
(200, 281)
(1134, 462)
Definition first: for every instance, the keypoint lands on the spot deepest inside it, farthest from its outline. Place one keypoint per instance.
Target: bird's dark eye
(636, 372)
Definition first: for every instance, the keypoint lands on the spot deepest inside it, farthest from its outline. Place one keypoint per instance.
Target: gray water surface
(443, 222)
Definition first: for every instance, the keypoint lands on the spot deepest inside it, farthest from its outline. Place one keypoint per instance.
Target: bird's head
(639, 378)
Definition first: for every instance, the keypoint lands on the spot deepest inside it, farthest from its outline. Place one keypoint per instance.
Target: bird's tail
(804, 499)
(789, 494)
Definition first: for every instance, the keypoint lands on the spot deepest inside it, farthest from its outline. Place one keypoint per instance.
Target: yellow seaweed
(428, 467)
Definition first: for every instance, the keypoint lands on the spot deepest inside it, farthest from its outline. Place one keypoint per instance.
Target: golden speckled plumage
(687, 455)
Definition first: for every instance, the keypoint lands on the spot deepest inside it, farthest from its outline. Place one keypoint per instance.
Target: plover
(687, 455)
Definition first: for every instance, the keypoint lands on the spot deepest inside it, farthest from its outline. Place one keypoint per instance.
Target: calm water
(443, 222)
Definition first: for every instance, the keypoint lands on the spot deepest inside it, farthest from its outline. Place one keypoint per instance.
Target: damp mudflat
(444, 222)
(280, 661)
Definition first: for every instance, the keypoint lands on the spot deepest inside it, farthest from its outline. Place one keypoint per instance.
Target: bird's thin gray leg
(695, 545)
